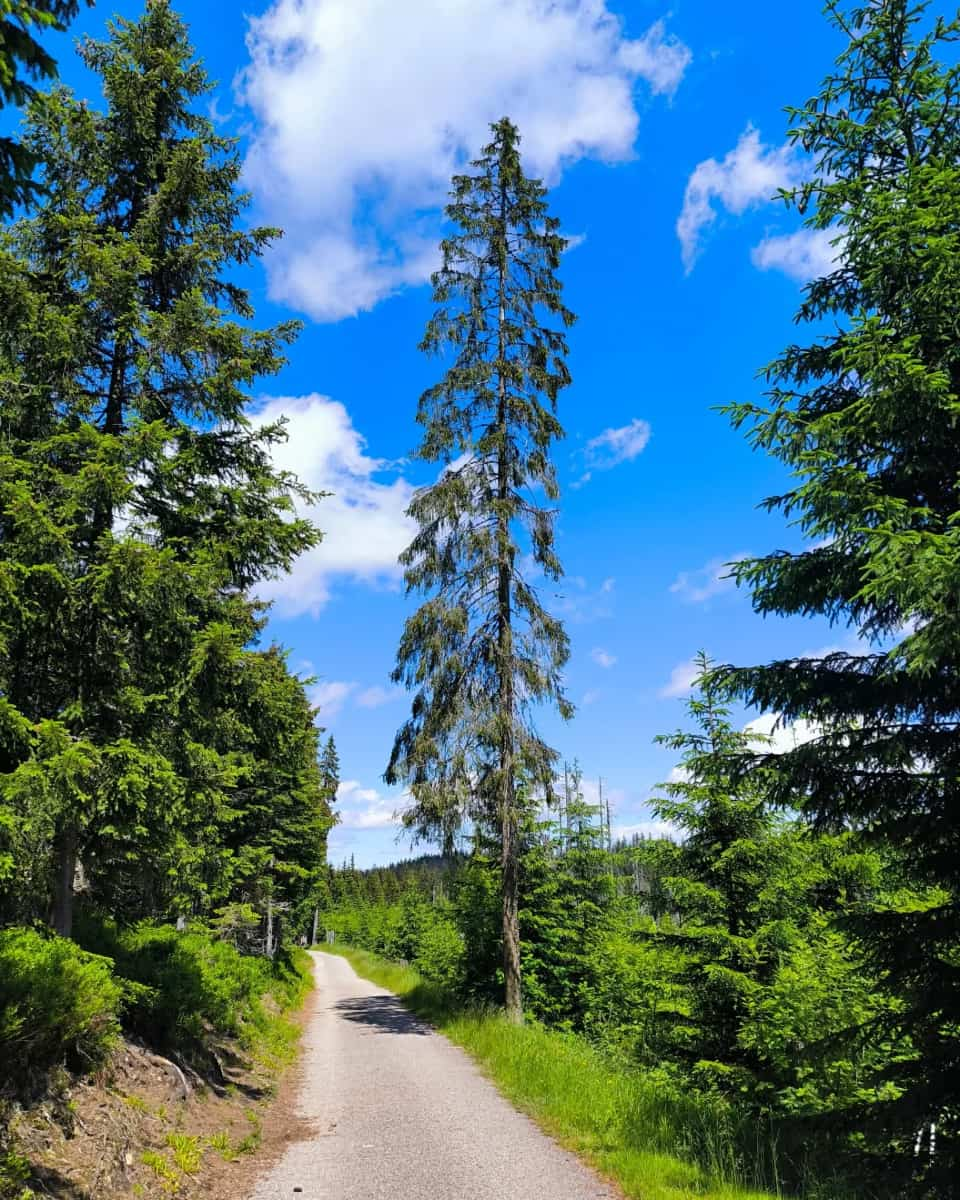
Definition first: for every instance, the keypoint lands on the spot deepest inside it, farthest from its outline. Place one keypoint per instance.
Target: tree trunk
(513, 998)
(510, 882)
(65, 855)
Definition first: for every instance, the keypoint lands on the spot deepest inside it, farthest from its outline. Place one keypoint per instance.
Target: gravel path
(399, 1113)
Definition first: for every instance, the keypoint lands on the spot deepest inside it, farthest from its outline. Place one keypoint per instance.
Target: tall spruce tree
(141, 501)
(866, 416)
(482, 652)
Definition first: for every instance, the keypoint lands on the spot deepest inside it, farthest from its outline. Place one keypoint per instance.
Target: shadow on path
(383, 1014)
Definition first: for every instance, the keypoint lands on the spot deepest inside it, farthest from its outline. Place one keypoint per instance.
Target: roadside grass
(654, 1143)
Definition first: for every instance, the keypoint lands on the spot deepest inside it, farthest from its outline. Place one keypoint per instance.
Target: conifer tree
(753, 890)
(482, 652)
(330, 769)
(865, 414)
(141, 502)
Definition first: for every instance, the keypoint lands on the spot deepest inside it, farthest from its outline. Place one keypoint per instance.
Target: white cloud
(682, 678)
(329, 697)
(364, 520)
(712, 579)
(783, 736)
(804, 255)
(615, 446)
(603, 658)
(364, 108)
(376, 697)
(647, 829)
(590, 697)
(366, 808)
(748, 176)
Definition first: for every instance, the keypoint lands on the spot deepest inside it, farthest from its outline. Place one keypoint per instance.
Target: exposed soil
(143, 1127)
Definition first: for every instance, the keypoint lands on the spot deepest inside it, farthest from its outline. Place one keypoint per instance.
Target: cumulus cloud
(366, 808)
(682, 678)
(603, 658)
(706, 582)
(804, 255)
(363, 519)
(748, 176)
(590, 697)
(364, 108)
(329, 697)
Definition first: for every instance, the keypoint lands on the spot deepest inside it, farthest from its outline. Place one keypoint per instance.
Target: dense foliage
(147, 738)
(163, 799)
(864, 413)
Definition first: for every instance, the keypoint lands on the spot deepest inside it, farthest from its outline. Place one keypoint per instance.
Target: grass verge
(625, 1123)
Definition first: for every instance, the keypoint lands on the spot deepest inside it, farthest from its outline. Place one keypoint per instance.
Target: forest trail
(399, 1113)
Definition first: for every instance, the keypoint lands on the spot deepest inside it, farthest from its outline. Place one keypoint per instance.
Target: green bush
(440, 953)
(181, 986)
(58, 1004)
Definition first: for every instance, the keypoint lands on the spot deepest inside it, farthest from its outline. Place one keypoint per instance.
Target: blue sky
(662, 135)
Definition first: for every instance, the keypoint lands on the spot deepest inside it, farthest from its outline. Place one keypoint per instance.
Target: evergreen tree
(482, 651)
(141, 502)
(330, 769)
(23, 59)
(567, 905)
(757, 895)
(865, 415)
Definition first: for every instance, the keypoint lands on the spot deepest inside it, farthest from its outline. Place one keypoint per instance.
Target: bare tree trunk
(65, 856)
(513, 998)
(509, 848)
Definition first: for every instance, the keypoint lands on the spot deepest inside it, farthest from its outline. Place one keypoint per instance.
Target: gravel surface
(399, 1113)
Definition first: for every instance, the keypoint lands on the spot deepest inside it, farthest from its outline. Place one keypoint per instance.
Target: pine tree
(23, 59)
(865, 415)
(482, 651)
(141, 502)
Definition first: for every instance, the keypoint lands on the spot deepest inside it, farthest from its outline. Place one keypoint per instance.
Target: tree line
(158, 756)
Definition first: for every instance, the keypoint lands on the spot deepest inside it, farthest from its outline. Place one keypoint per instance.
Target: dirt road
(399, 1113)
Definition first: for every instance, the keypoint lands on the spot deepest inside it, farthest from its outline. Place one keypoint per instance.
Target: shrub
(439, 954)
(58, 1003)
(179, 986)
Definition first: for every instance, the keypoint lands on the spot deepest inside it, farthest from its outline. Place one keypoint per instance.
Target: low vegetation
(68, 1015)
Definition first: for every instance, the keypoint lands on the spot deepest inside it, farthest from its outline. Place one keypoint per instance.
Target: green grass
(630, 1126)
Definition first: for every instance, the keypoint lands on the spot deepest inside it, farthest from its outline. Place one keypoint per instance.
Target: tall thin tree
(482, 652)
